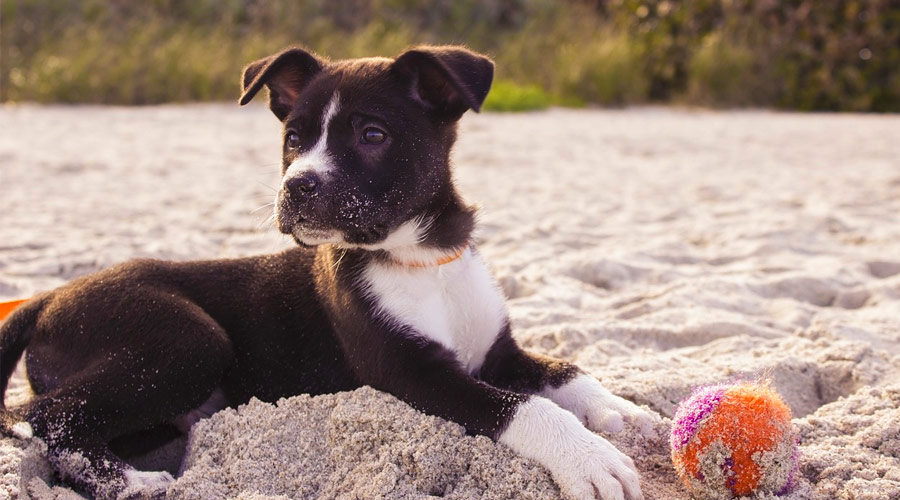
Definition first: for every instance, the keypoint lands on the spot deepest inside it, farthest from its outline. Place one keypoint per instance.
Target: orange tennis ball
(731, 441)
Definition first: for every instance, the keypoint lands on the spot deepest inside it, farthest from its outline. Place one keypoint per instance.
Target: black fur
(283, 74)
(118, 355)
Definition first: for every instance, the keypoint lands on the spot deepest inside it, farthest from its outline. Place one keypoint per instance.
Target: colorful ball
(734, 440)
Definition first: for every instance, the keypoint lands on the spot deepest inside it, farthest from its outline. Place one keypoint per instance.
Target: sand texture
(658, 249)
(363, 441)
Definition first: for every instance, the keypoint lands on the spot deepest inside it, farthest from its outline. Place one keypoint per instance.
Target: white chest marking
(317, 159)
(457, 305)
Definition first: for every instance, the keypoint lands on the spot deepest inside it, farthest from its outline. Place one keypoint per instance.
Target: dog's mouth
(308, 235)
(312, 225)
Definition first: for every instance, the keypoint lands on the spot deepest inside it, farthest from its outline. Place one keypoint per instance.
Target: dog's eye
(292, 140)
(373, 135)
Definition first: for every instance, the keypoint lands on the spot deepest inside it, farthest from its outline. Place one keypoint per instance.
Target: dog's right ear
(447, 80)
(285, 74)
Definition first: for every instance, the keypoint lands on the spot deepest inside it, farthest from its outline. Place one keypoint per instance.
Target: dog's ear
(285, 73)
(448, 80)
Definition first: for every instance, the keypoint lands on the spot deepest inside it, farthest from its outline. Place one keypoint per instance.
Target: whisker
(338, 262)
(263, 184)
(269, 221)
(267, 205)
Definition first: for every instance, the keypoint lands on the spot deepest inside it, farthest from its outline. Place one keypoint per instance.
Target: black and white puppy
(385, 289)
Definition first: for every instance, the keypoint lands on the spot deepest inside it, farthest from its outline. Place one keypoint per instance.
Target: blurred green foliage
(796, 54)
(510, 96)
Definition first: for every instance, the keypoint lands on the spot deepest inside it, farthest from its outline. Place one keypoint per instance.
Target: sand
(659, 249)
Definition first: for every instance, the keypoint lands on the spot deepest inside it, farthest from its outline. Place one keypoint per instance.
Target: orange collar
(440, 262)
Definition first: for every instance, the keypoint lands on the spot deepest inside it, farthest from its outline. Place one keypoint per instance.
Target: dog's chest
(457, 305)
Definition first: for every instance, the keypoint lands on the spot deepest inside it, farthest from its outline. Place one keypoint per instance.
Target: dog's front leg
(509, 366)
(584, 465)
(428, 377)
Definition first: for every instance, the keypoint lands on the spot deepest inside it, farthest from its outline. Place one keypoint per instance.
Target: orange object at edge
(8, 307)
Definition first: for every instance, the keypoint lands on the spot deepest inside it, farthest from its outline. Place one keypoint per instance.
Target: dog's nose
(306, 182)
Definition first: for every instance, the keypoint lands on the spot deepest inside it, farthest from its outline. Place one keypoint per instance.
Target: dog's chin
(362, 238)
(313, 237)
(308, 234)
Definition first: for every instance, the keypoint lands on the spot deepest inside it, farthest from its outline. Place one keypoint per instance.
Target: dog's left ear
(447, 80)
(285, 73)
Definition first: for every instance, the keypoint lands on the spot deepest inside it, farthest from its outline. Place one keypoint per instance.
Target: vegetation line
(796, 54)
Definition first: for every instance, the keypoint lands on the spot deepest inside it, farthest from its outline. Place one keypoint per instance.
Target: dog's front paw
(597, 470)
(610, 413)
(600, 410)
(584, 465)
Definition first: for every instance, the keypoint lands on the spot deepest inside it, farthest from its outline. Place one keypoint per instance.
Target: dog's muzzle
(295, 203)
(313, 210)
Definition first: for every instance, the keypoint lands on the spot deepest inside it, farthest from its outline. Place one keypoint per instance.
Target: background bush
(796, 54)
(509, 96)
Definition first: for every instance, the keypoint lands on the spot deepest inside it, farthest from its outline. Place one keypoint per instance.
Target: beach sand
(658, 249)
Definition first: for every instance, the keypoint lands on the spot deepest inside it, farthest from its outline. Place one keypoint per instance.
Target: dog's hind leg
(170, 368)
(79, 455)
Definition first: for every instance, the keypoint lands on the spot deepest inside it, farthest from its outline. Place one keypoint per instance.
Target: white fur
(142, 484)
(599, 409)
(457, 305)
(407, 235)
(317, 159)
(582, 463)
(22, 430)
(403, 244)
(317, 237)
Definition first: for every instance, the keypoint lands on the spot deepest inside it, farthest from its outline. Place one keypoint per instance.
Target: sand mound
(361, 444)
(852, 447)
(20, 463)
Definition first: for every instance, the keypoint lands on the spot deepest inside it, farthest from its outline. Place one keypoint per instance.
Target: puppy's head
(366, 143)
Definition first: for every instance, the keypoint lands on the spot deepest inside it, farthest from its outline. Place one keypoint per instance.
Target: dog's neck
(439, 235)
(446, 259)
(444, 233)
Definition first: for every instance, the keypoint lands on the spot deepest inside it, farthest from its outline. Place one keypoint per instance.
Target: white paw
(600, 410)
(599, 471)
(584, 465)
(22, 430)
(612, 414)
(145, 484)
